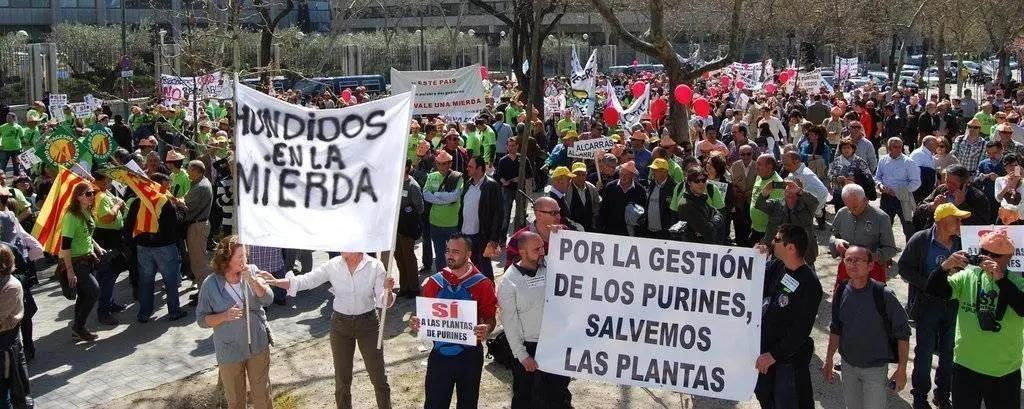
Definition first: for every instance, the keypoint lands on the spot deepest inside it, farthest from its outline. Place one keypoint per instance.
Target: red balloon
(791, 71)
(659, 108)
(784, 77)
(483, 72)
(611, 116)
(725, 80)
(701, 106)
(638, 88)
(740, 84)
(705, 76)
(769, 88)
(683, 94)
(346, 95)
(713, 92)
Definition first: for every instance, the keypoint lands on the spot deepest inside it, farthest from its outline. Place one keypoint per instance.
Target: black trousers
(787, 385)
(460, 372)
(539, 389)
(970, 389)
(741, 224)
(26, 320)
(15, 385)
(891, 206)
(88, 290)
(483, 264)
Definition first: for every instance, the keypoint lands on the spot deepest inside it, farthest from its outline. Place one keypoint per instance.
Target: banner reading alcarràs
(442, 91)
(653, 313)
(327, 179)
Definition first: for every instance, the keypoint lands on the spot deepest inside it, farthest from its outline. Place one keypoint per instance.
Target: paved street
(132, 356)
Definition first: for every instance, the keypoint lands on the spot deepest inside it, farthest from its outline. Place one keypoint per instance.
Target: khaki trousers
(195, 242)
(257, 369)
(346, 332)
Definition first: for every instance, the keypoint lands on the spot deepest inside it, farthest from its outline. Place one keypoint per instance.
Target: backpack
(878, 294)
(455, 292)
(499, 350)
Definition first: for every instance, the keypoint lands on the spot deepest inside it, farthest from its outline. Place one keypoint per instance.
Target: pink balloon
(769, 88)
(683, 94)
(346, 95)
(725, 80)
(658, 109)
(611, 116)
(483, 72)
(701, 106)
(783, 77)
(713, 92)
(705, 76)
(740, 84)
(791, 71)
(638, 88)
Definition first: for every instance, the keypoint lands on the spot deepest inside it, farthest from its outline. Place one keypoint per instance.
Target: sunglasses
(699, 180)
(90, 193)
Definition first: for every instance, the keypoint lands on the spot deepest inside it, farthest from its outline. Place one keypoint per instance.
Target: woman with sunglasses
(79, 257)
(702, 220)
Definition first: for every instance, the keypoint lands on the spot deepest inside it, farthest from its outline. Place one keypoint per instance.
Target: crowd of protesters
(767, 170)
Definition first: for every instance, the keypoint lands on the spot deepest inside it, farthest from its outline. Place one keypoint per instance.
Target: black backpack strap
(837, 302)
(878, 293)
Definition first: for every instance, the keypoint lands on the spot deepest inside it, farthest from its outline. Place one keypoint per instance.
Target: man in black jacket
(935, 318)
(480, 215)
(659, 195)
(158, 252)
(792, 293)
(956, 190)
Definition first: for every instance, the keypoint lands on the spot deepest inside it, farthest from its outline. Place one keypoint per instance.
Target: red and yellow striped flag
(48, 224)
(151, 195)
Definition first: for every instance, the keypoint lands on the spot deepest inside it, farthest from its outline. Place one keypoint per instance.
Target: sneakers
(82, 334)
(109, 320)
(176, 315)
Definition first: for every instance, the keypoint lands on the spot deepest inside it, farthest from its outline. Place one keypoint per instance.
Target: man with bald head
(521, 298)
(547, 215)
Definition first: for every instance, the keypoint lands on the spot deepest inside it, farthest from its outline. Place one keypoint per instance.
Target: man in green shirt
(180, 183)
(766, 166)
(30, 134)
(481, 141)
(987, 120)
(414, 139)
(512, 112)
(989, 345)
(565, 124)
(37, 113)
(443, 190)
(10, 143)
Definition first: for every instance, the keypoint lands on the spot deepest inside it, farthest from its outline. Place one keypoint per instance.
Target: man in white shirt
(811, 183)
(925, 161)
(897, 178)
(521, 298)
(360, 286)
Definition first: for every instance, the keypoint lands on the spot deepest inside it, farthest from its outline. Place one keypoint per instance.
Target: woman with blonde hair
(223, 299)
(80, 257)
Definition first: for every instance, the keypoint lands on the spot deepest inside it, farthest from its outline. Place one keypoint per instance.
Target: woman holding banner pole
(360, 285)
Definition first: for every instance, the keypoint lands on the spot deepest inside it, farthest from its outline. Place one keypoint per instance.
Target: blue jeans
(439, 239)
(10, 156)
(167, 260)
(936, 328)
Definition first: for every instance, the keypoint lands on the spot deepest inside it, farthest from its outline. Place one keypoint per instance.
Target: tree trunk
(535, 81)
(266, 41)
(892, 58)
(1003, 73)
(678, 114)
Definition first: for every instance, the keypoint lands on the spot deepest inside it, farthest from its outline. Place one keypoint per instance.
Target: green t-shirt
(481, 143)
(30, 136)
(105, 206)
(759, 219)
(563, 125)
(414, 140)
(443, 215)
(39, 117)
(989, 353)
(80, 231)
(180, 183)
(987, 122)
(10, 137)
(512, 115)
(20, 202)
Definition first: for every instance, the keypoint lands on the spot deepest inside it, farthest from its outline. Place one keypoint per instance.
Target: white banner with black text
(442, 91)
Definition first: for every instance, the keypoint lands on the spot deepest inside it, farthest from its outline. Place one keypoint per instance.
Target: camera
(987, 321)
(974, 259)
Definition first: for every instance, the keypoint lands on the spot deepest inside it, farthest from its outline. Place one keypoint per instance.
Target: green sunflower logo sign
(60, 148)
(100, 142)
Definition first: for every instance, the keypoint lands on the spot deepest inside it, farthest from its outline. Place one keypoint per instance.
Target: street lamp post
(541, 66)
(501, 54)
(462, 48)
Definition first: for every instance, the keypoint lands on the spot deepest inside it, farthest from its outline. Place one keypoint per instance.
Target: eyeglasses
(549, 212)
(90, 193)
(854, 260)
(699, 180)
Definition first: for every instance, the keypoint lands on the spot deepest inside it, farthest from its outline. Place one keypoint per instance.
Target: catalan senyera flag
(48, 224)
(152, 197)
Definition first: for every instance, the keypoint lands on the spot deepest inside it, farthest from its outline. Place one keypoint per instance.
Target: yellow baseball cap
(570, 135)
(579, 167)
(659, 164)
(948, 209)
(560, 172)
(616, 137)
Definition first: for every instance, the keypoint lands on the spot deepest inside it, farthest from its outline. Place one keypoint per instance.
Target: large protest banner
(320, 179)
(447, 320)
(970, 237)
(442, 91)
(659, 314)
(810, 81)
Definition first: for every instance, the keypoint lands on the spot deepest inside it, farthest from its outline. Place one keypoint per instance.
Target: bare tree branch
(734, 46)
(492, 11)
(619, 29)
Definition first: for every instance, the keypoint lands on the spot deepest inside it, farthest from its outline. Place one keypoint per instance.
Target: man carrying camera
(989, 325)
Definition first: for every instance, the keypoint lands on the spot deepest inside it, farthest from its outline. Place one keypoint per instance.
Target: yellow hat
(616, 137)
(579, 167)
(948, 209)
(561, 171)
(570, 135)
(659, 164)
